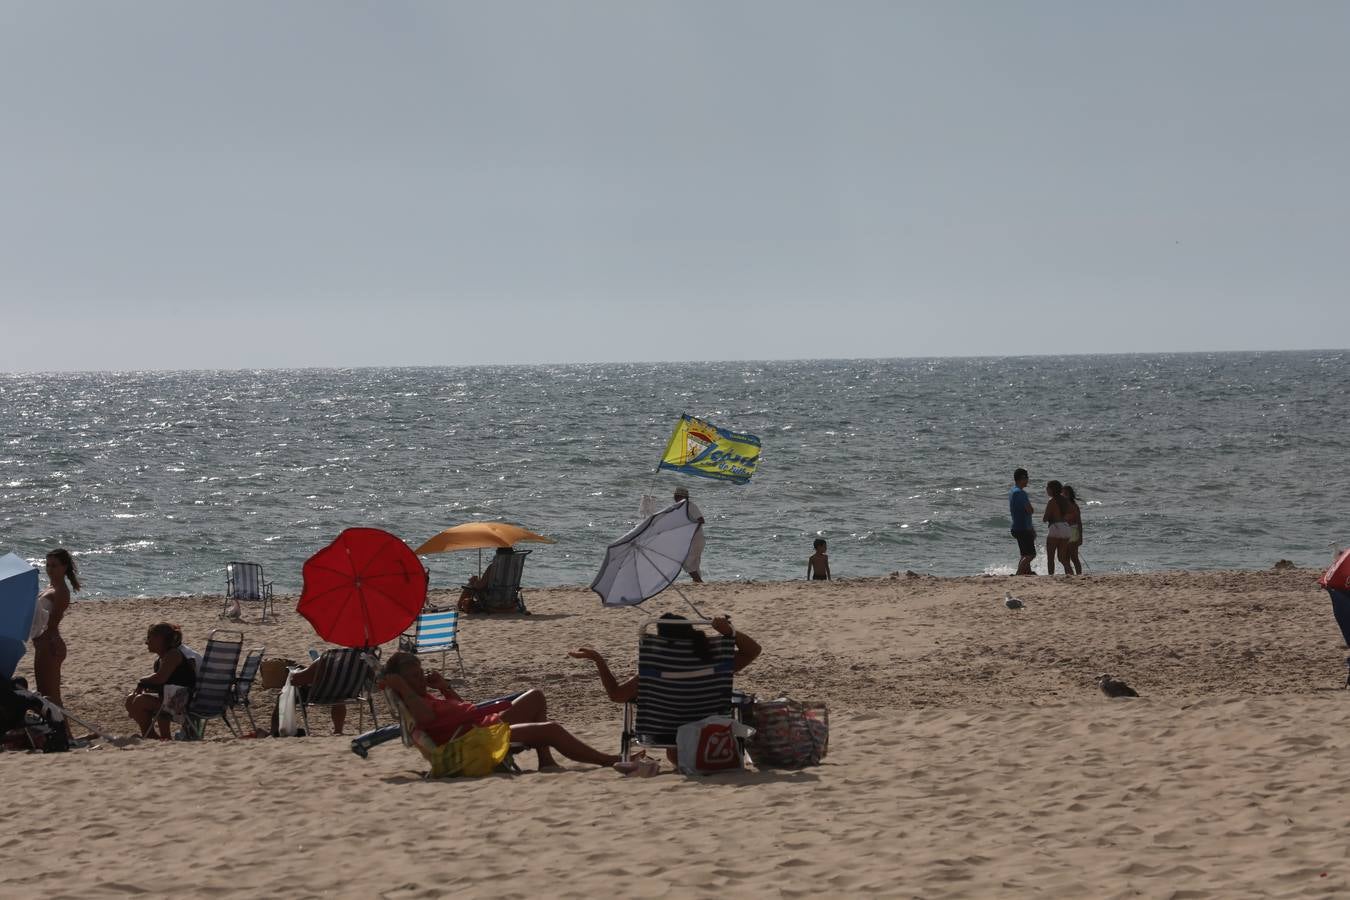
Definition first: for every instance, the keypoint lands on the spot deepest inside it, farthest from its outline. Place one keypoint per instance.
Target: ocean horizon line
(416, 367)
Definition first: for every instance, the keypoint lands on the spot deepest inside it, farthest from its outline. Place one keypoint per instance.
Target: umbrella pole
(687, 600)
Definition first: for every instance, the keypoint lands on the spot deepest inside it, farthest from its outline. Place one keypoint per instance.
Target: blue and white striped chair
(436, 630)
(244, 583)
(676, 687)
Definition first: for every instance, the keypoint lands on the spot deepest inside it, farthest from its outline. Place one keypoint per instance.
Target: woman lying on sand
(674, 627)
(440, 717)
(172, 667)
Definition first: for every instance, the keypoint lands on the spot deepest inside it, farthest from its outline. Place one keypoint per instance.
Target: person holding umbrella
(694, 561)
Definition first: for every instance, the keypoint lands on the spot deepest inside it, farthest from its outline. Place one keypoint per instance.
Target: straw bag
(272, 673)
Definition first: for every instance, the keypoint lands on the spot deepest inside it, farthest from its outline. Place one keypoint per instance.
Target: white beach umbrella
(645, 561)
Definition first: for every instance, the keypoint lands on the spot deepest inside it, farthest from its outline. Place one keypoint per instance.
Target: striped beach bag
(789, 734)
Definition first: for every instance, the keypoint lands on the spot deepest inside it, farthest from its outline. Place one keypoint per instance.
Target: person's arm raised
(616, 691)
(747, 648)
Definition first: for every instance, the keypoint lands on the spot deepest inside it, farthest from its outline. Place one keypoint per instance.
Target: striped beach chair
(244, 583)
(502, 592)
(348, 676)
(436, 630)
(676, 687)
(242, 688)
(215, 679)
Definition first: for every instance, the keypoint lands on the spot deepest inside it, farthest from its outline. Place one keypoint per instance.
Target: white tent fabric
(645, 561)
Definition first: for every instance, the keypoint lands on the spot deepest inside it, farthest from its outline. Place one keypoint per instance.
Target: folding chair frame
(264, 590)
(241, 690)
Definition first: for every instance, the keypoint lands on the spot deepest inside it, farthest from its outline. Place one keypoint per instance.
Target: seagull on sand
(1113, 687)
(1012, 602)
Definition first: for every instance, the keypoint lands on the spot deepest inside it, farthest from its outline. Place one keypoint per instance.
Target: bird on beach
(1114, 687)
(1012, 602)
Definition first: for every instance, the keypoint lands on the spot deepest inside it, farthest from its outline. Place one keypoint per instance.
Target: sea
(156, 480)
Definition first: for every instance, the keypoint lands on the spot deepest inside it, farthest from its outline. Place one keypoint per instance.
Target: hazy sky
(273, 183)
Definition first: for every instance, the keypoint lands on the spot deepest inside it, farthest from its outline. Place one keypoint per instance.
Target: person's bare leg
(531, 706)
(141, 708)
(1064, 559)
(552, 735)
(1073, 558)
(1051, 551)
(47, 674)
(339, 713)
(696, 576)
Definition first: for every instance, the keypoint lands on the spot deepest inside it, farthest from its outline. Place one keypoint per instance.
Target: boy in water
(818, 566)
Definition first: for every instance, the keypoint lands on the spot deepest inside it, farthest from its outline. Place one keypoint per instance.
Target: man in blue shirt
(1019, 507)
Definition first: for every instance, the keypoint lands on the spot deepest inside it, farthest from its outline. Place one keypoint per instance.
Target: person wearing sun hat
(694, 561)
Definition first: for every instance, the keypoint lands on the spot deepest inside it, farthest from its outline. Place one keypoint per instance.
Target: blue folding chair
(436, 630)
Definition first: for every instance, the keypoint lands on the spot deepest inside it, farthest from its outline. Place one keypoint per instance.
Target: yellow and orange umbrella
(480, 536)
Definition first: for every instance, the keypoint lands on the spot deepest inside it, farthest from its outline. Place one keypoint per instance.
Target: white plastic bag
(710, 745)
(286, 726)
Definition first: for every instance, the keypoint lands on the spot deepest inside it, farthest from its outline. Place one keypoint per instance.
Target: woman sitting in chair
(469, 597)
(678, 628)
(172, 668)
(443, 717)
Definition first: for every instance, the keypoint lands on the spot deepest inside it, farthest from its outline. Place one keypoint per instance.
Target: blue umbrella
(18, 602)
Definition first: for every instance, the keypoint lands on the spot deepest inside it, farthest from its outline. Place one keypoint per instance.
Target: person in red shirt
(446, 717)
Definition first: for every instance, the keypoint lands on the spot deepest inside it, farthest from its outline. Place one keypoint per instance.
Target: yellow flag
(701, 448)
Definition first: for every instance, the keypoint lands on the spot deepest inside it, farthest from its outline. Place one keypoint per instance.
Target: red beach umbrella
(363, 589)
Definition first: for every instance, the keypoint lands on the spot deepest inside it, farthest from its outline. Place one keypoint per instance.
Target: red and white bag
(710, 745)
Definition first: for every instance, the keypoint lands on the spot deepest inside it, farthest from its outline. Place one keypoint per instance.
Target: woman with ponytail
(49, 649)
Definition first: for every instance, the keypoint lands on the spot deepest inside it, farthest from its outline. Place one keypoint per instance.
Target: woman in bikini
(1074, 517)
(1058, 536)
(49, 649)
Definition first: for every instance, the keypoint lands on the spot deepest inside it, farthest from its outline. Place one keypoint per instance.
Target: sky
(280, 184)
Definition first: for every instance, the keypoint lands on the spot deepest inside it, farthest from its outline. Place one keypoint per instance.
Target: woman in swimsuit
(49, 650)
(1057, 538)
(1074, 517)
(172, 667)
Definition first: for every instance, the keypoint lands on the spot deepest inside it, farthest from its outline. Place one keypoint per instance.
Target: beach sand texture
(971, 756)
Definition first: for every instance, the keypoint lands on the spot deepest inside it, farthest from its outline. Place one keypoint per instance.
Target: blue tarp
(18, 601)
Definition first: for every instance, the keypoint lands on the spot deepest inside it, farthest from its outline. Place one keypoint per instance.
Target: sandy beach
(971, 756)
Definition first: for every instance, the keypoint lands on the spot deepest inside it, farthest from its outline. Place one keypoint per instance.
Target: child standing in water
(818, 566)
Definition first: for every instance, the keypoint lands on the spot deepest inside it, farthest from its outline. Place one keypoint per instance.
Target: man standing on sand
(1019, 507)
(694, 560)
